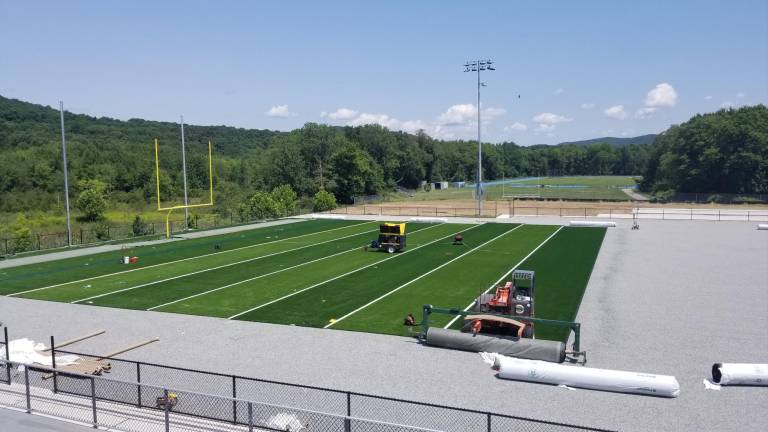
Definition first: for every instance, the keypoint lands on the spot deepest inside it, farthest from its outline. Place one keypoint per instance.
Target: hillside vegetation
(347, 161)
(721, 152)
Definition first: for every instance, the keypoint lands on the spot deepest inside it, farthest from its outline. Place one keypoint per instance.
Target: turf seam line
(342, 275)
(467, 253)
(257, 277)
(177, 261)
(215, 268)
(507, 273)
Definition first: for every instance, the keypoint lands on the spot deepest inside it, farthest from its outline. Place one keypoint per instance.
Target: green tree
(92, 199)
(354, 174)
(139, 227)
(286, 200)
(323, 201)
(262, 206)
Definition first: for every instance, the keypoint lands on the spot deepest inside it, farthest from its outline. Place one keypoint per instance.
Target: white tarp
(285, 422)
(583, 377)
(26, 351)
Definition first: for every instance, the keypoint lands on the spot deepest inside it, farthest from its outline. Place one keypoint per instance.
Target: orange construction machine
(495, 313)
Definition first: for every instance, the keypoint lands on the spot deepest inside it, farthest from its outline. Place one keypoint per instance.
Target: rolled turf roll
(588, 378)
(762, 226)
(536, 349)
(755, 374)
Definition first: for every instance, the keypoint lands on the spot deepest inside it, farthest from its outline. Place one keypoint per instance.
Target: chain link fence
(234, 402)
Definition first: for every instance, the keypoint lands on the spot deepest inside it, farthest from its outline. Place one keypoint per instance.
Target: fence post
(138, 380)
(6, 249)
(234, 402)
(7, 355)
(53, 363)
(167, 407)
(718, 214)
(489, 421)
(38, 242)
(81, 235)
(93, 402)
(347, 420)
(662, 213)
(250, 417)
(26, 384)
(610, 213)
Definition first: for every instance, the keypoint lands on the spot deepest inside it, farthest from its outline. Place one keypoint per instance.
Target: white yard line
(342, 275)
(506, 274)
(216, 268)
(423, 275)
(180, 260)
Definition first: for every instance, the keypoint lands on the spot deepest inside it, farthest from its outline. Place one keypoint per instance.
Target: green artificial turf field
(317, 273)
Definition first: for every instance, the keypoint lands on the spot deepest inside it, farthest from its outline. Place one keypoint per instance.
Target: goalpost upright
(187, 206)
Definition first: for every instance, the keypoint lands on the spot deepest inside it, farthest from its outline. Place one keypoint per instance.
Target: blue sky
(582, 69)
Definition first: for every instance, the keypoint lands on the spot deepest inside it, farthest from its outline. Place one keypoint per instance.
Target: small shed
(440, 185)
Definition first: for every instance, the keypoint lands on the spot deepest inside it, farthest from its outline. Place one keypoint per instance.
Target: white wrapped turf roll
(762, 226)
(593, 224)
(589, 378)
(740, 374)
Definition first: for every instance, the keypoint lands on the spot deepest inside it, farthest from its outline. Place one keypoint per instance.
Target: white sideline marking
(506, 274)
(178, 261)
(260, 276)
(425, 274)
(342, 275)
(215, 268)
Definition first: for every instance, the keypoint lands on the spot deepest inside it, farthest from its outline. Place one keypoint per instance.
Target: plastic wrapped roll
(588, 378)
(755, 374)
(537, 349)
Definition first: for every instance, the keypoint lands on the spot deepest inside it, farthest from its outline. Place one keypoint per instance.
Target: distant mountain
(617, 142)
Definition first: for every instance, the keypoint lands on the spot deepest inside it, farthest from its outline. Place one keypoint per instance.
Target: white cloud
(616, 112)
(463, 114)
(413, 126)
(587, 105)
(491, 113)
(740, 95)
(645, 112)
(558, 91)
(550, 118)
(340, 114)
(663, 95)
(280, 111)
(516, 126)
(707, 97)
(457, 115)
(542, 127)
(380, 119)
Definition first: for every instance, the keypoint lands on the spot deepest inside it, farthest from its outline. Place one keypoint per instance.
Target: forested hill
(346, 161)
(642, 139)
(721, 152)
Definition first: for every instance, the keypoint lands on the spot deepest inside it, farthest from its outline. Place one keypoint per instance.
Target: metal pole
(93, 402)
(479, 150)
(167, 411)
(250, 417)
(26, 384)
(184, 171)
(53, 363)
(138, 380)
(7, 355)
(66, 174)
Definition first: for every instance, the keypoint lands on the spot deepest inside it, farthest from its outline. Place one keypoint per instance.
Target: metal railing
(225, 398)
(494, 209)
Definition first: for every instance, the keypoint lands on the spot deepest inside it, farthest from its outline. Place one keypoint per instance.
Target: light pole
(66, 174)
(184, 172)
(477, 66)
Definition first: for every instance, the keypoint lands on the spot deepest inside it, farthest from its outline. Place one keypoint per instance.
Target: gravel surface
(671, 298)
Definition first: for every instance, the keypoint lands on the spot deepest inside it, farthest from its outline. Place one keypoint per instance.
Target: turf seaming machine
(391, 238)
(503, 323)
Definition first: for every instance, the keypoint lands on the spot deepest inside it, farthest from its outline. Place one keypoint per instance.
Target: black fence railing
(143, 384)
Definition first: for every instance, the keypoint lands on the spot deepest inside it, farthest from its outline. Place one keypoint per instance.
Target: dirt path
(634, 195)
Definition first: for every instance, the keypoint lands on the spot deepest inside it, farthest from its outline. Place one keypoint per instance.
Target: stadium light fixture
(478, 66)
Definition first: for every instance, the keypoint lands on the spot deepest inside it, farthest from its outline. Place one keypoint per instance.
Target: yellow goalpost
(172, 208)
